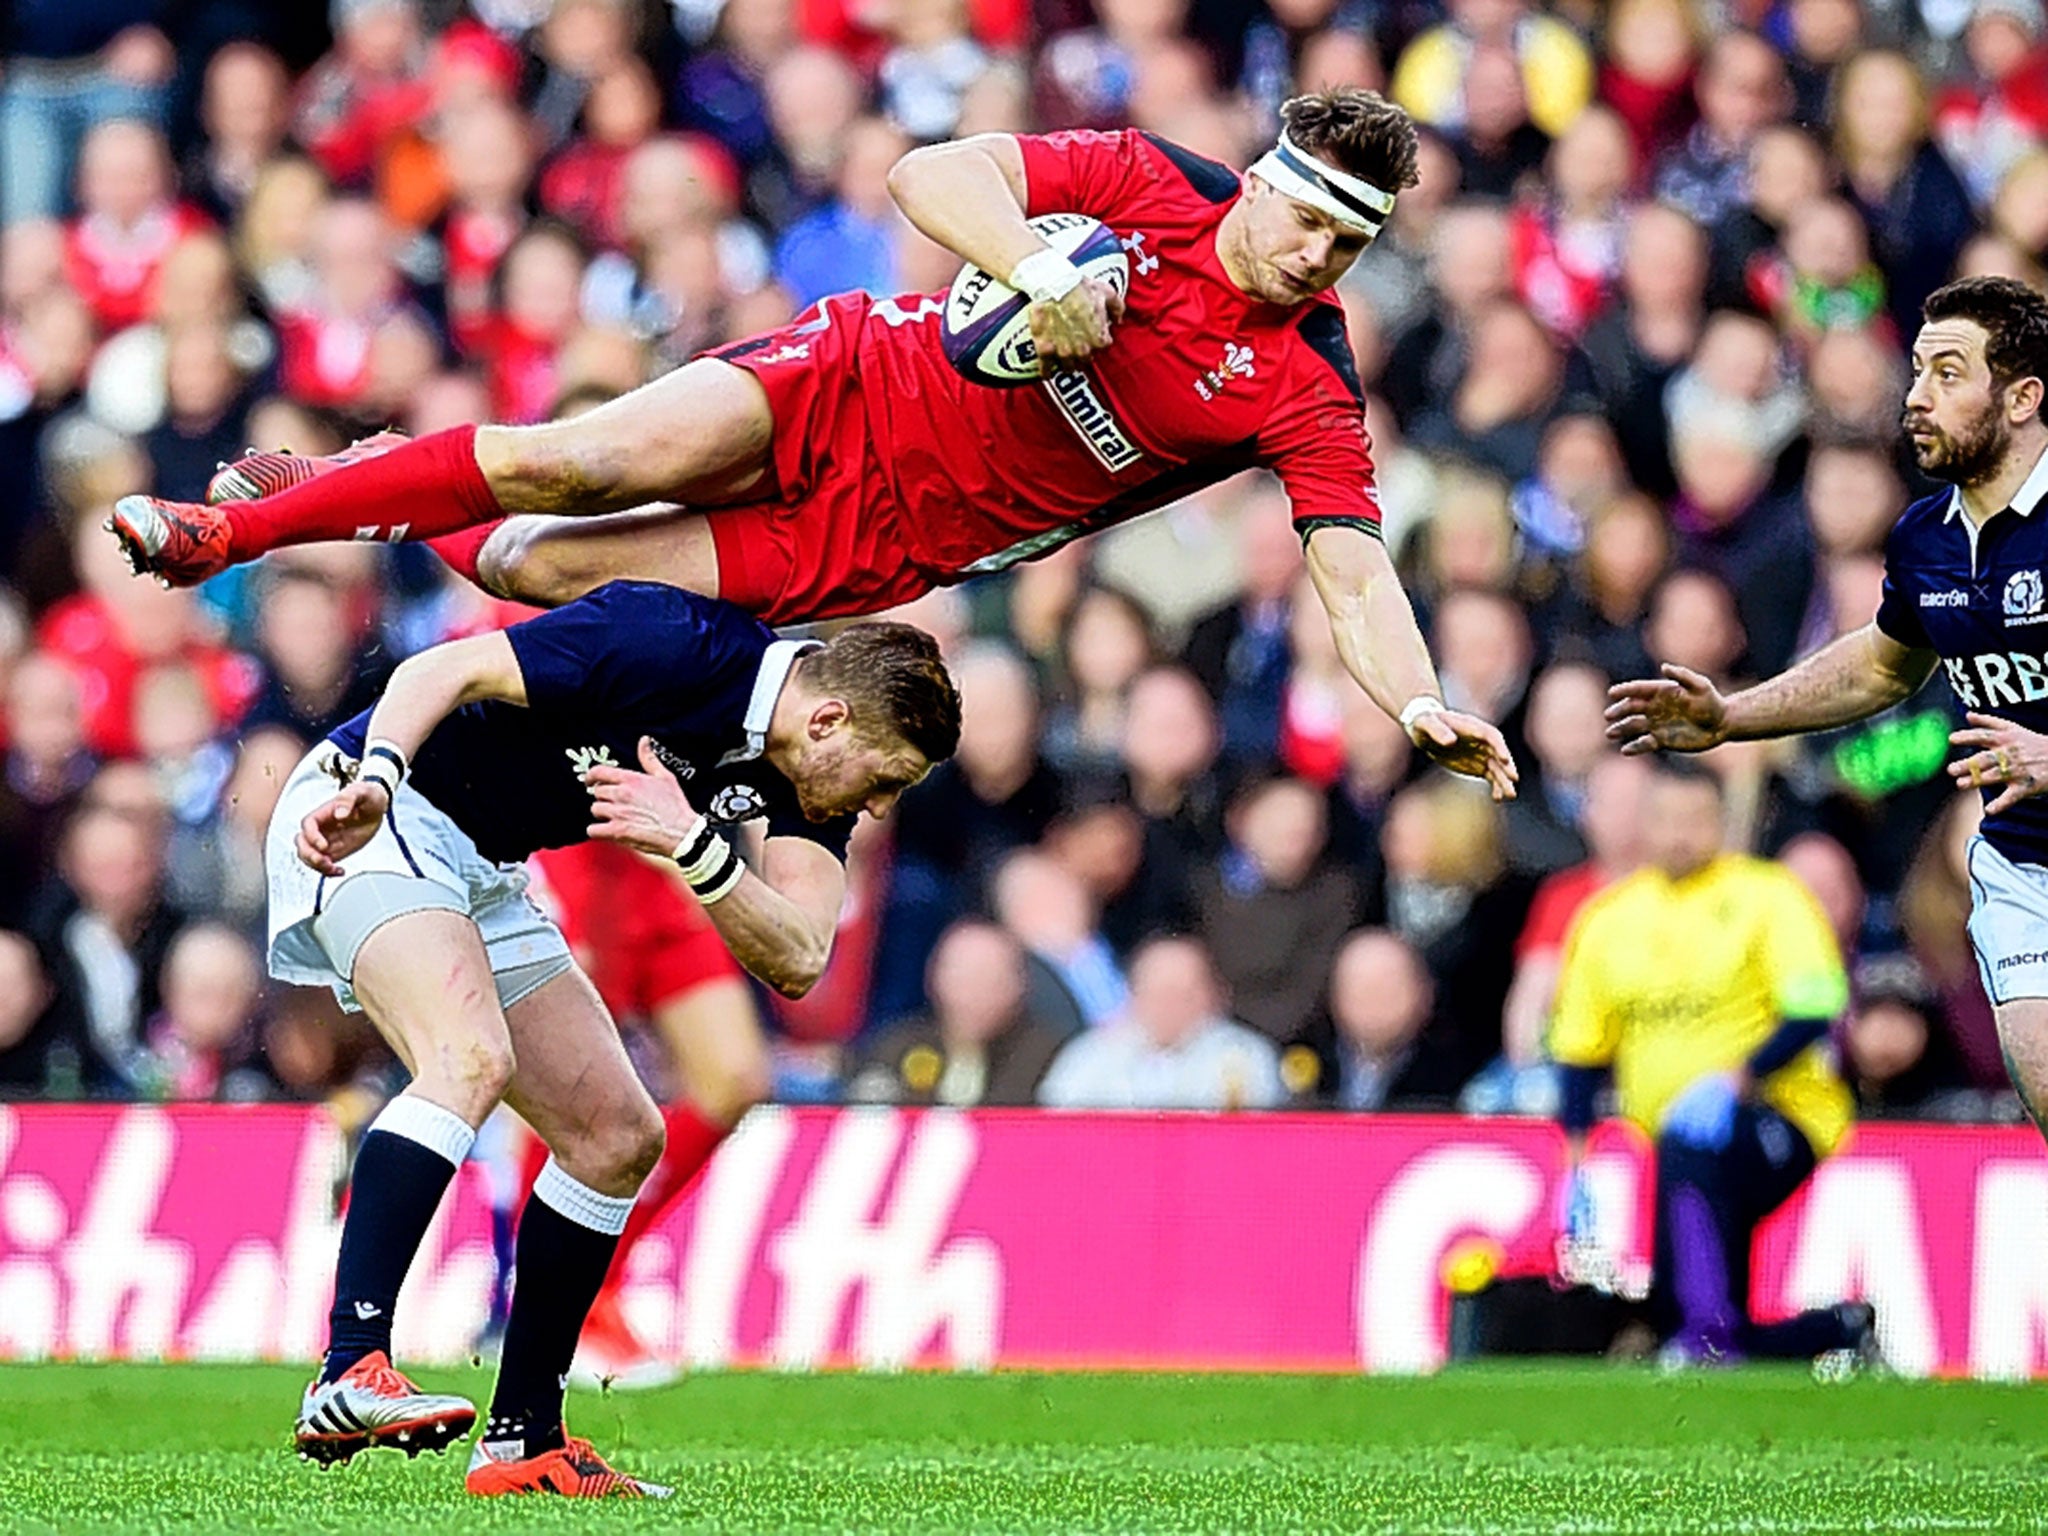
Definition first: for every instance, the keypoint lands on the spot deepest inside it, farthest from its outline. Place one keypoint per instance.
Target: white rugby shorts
(424, 861)
(2008, 923)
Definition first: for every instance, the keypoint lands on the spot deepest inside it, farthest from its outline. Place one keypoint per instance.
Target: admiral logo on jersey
(1079, 403)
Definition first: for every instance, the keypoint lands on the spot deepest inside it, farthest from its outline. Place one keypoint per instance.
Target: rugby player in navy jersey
(392, 859)
(1963, 590)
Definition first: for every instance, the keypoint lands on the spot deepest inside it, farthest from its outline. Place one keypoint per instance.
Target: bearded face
(1955, 410)
(1965, 451)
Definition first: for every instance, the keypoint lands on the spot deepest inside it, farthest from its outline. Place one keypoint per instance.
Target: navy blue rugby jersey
(631, 659)
(1976, 598)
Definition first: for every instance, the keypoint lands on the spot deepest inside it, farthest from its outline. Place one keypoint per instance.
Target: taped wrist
(709, 865)
(384, 764)
(1045, 276)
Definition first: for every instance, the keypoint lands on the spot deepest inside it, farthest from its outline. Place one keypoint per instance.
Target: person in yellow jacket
(1556, 66)
(1707, 982)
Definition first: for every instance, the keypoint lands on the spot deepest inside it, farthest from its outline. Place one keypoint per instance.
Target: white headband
(1352, 201)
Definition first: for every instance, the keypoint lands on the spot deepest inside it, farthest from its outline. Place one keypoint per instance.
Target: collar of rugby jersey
(776, 663)
(2024, 500)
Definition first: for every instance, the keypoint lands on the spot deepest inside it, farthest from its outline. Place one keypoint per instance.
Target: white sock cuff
(580, 1203)
(437, 1129)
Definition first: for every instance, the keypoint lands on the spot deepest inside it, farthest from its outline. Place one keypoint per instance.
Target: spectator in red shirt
(1989, 123)
(1567, 247)
(118, 627)
(585, 184)
(127, 224)
(489, 155)
(366, 93)
(357, 306)
(539, 284)
(1646, 73)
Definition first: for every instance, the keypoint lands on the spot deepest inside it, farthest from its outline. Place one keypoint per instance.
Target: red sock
(419, 489)
(461, 549)
(691, 1140)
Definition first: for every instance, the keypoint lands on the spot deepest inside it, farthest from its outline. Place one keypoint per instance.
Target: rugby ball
(983, 328)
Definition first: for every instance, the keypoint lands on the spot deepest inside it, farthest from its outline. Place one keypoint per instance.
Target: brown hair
(1358, 131)
(894, 681)
(2015, 321)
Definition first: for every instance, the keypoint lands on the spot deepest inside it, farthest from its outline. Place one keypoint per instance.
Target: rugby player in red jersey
(840, 465)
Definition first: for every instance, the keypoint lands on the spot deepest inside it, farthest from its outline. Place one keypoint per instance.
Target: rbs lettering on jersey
(1987, 680)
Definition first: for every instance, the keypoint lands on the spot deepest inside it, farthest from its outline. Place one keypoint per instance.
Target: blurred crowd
(1635, 347)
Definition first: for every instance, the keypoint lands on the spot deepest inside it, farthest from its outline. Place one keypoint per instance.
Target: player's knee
(483, 1069)
(636, 1145)
(520, 561)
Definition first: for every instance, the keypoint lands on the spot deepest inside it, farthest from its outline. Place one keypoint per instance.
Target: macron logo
(1954, 599)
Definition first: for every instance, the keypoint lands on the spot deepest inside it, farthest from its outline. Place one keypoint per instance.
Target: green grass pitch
(1495, 1449)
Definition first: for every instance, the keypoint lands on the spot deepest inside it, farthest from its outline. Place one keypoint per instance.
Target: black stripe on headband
(1310, 172)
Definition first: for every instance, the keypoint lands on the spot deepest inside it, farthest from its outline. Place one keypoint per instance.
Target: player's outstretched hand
(647, 812)
(2006, 754)
(341, 827)
(1467, 744)
(1077, 325)
(1678, 712)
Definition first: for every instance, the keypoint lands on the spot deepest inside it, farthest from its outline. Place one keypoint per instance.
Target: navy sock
(564, 1249)
(1801, 1337)
(408, 1157)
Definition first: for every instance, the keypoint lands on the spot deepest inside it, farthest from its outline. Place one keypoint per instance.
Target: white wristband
(383, 764)
(1045, 276)
(1422, 704)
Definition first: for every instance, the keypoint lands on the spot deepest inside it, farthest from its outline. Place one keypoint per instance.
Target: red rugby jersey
(1200, 381)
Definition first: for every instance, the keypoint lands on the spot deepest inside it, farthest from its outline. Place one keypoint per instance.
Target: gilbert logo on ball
(984, 328)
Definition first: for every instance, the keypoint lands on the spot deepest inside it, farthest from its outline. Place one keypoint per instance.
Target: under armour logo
(1135, 244)
(583, 759)
(367, 1310)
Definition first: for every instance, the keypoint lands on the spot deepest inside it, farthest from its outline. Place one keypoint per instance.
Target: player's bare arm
(970, 197)
(1383, 649)
(779, 924)
(423, 691)
(1861, 674)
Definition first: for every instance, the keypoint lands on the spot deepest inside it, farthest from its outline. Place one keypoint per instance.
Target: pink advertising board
(886, 1239)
